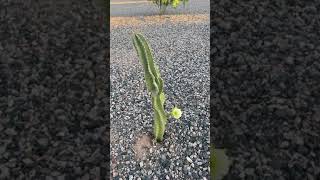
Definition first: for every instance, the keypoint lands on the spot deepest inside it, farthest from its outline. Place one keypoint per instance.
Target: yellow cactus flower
(176, 113)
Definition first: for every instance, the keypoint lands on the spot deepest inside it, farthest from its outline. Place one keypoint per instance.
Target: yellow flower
(175, 3)
(176, 113)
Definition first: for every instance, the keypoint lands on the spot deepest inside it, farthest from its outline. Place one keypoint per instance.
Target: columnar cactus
(154, 85)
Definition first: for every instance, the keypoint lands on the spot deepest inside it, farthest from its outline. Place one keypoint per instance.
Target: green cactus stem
(154, 84)
(219, 163)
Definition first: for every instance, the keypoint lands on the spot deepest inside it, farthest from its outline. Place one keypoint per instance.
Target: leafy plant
(154, 85)
(163, 4)
(219, 163)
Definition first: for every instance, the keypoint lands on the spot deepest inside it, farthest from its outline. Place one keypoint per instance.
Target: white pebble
(189, 160)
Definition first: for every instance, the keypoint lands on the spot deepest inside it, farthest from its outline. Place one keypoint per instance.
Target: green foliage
(154, 85)
(219, 163)
(163, 4)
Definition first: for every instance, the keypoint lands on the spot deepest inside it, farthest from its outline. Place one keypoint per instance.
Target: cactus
(154, 85)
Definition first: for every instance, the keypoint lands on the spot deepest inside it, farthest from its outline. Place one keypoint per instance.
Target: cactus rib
(160, 118)
(149, 76)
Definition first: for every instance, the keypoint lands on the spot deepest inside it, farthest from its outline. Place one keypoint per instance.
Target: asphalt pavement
(146, 8)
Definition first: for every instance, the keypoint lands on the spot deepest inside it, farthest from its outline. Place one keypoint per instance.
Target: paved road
(144, 7)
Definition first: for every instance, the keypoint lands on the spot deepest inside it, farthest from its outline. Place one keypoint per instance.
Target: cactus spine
(154, 85)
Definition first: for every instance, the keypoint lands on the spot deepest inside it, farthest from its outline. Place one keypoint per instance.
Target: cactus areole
(154, 85)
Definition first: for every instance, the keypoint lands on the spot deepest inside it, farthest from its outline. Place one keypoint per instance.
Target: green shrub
(163, 4)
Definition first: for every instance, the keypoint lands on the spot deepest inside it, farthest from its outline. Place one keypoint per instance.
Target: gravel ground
(53, 101)
(184, 65)
(266, 87)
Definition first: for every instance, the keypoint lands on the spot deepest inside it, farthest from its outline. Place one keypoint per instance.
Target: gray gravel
(53, 84)
(182, 52)
(265, 94)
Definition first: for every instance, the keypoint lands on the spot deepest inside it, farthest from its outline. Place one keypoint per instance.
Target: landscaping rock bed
(184, 66)
(266, 86)
(54, 84)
